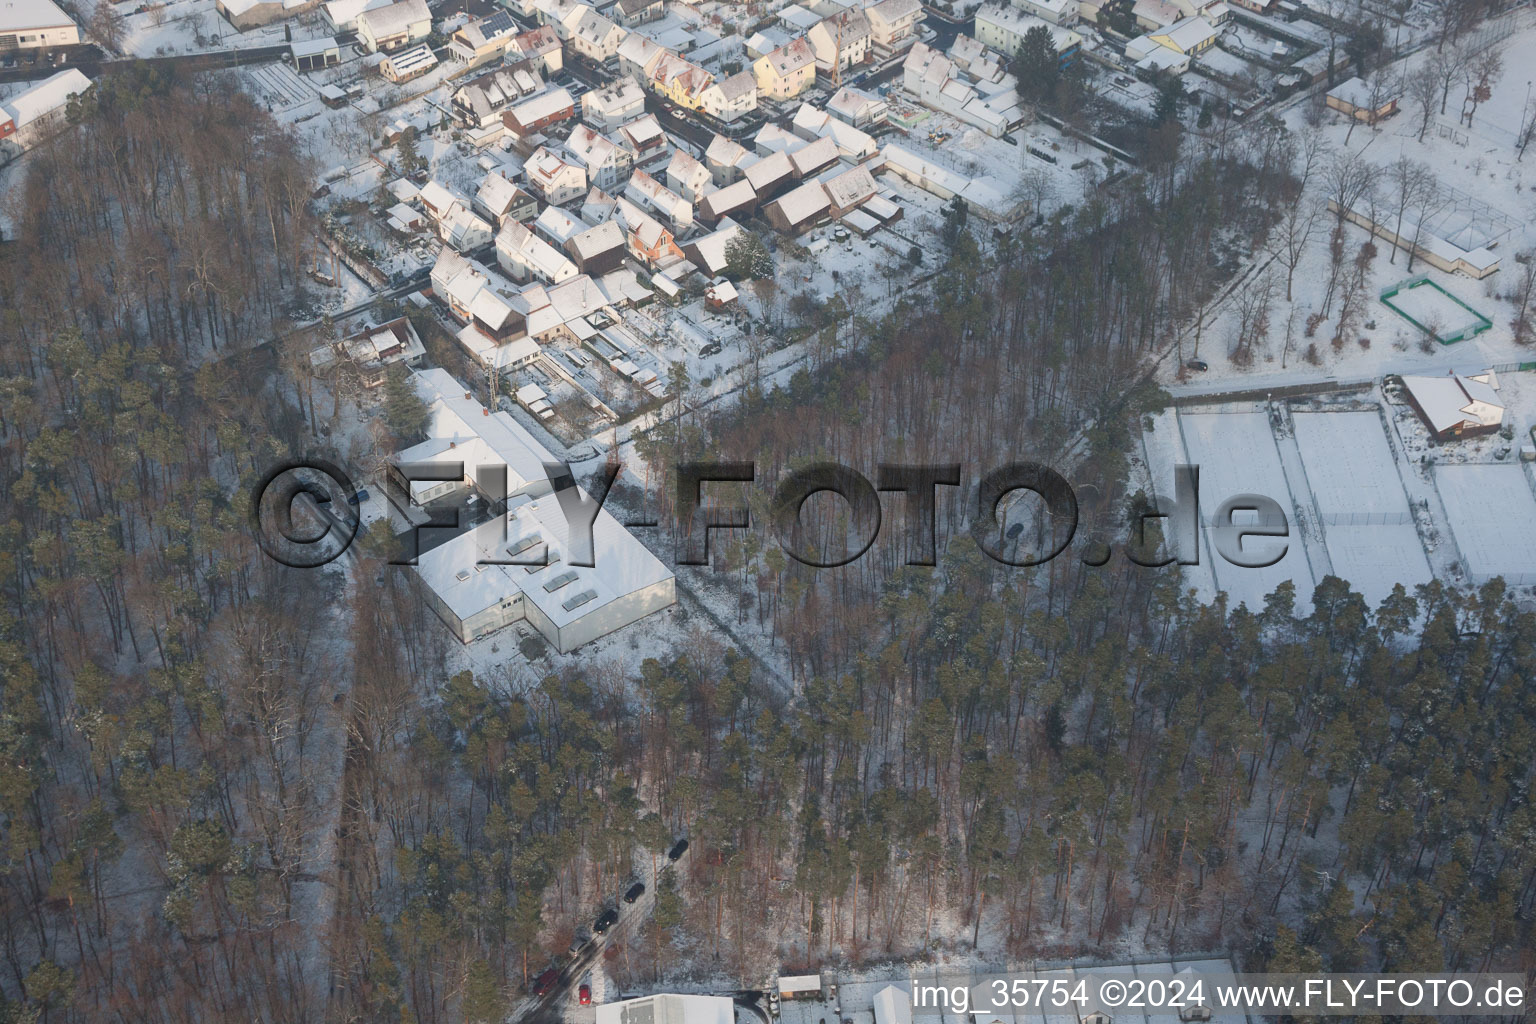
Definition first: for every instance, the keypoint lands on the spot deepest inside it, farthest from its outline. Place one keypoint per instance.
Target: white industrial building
(668, 1009)
(34, 24)
(569, 605)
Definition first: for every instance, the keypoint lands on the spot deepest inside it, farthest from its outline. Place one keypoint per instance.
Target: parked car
(579, 943)
(584, 994)
(678, 849)
(546, 981)
(607, 919)
(358, 497)
(1198, 365)
(635, 892)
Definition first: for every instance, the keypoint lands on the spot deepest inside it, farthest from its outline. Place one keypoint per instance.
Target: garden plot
(1492, 514)
(1236, 454)
(1367, 525)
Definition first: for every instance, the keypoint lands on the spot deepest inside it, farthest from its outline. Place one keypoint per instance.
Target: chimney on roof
(468, 396)
(484, 411)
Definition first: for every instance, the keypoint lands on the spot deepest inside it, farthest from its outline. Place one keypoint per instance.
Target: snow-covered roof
(802, 204)
(24, 15)
(724, 152)
(852, 103)
(591, 149)
(1358, 93)
(640, 51)
(1013, 21)
(724, 200)
(769, 171)
(546, 104)
(1189, 34)
(523, 247)
(1453, 400)
(851, 187)
(557, 225)
(895, 10)
(412, 61)
(813, 156)
(736, 86)
(312, 47)
(606, 237)
(709, 251)
(791, 57)
(45, 97)
(893, 1005)
(396, 17)
(616, 95)
(799, 17)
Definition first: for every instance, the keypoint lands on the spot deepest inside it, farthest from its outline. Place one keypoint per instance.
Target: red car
(546, 981)
(584, 995)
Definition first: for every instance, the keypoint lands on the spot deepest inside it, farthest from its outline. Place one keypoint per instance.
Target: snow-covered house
(500, 199)
(687, 177)
(598, 250)
(483, 40)
(541, 47)
(1003, 27)
(35, 113)
(398, 25)
(893, 26)
(482, 100)
(1455, 406)
(638, 55)
(531, 115)
(606, 162)
(645, 139)
(525, 256)
(612, 104)
(812, 123)
(786, 72)
(557, 180)
(592, 35)
(800, 209)
(727, 160)
(730, 98)
(408, 63)
(650, 194)
(840, 41)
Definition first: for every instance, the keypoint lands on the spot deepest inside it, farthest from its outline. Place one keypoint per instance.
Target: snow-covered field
(1236, 453)
(1368, 528)
(1492, 514)
(1349, 467)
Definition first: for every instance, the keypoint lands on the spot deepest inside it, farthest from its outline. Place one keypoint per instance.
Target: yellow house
(786, 72)
(680, 81)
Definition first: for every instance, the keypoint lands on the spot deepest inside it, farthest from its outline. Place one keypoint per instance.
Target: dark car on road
(678, 849)
(605, 921)
(1198, 365)
(546, 981)
(635, 892)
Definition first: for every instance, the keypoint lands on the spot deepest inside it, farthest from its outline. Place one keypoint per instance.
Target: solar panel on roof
(497, 23)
